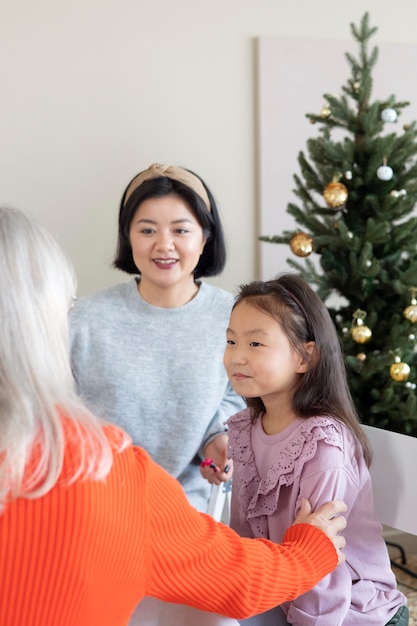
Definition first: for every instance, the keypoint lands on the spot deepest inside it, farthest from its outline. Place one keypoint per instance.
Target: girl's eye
(181, 231)
(255, 344)
(230, 342)
(147, 231)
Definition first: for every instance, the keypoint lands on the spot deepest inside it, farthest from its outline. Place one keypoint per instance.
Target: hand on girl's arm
(326, 518)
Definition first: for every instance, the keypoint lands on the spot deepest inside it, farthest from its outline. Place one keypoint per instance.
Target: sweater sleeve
(197, 561)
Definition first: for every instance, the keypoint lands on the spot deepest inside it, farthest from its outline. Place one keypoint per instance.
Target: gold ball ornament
(399, 371)
(361, 356)
(410, 313)
(325, 112)
(361, 333)
(301, 244)
(335, 194)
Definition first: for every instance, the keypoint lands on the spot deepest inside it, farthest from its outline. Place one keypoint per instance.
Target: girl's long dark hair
(323, 389)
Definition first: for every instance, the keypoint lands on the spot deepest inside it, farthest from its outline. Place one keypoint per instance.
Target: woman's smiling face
(167, 242)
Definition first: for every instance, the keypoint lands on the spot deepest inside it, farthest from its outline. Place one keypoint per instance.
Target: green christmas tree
(356, 194)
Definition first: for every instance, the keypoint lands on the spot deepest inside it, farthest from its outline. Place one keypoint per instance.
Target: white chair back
(394, 478)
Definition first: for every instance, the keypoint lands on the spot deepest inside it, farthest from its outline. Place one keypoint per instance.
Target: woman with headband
(148, 354)
(89, 524)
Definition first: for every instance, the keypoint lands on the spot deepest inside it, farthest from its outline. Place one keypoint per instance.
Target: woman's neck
(169, 297)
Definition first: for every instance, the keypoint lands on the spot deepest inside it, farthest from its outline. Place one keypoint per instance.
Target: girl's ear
(305, 363)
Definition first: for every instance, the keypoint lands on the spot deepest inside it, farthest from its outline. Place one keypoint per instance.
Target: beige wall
(94, 90)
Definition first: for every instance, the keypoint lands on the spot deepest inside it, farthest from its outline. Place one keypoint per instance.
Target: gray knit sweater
(158, 373)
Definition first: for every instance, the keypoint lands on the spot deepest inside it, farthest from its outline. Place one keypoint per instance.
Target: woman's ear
(305, 363)
(203, 245)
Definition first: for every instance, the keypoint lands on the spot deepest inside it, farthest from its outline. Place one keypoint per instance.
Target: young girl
(300, 437)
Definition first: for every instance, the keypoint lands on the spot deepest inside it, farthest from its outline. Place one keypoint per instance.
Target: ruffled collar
(259, 496)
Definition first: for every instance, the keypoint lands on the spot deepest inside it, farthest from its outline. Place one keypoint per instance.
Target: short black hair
(213, 258)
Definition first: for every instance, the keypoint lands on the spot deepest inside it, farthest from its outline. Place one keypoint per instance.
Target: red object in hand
(207, 463)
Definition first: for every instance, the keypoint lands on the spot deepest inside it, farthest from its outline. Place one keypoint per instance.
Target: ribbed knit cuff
(317, 546)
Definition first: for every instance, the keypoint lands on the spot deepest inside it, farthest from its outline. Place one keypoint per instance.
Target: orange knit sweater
(87, 553)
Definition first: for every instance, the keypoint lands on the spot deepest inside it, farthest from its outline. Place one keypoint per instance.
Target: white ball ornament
(389, 115)
(384, 172)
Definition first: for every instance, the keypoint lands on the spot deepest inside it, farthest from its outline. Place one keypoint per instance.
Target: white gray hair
(37, 389)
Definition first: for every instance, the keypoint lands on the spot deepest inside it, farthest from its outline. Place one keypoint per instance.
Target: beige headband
(156, 170)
